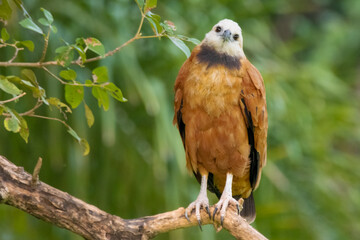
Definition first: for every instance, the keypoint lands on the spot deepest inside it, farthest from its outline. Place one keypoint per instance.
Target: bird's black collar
(210, 56)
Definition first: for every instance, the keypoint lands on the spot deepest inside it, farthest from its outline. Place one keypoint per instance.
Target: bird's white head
(225, 37)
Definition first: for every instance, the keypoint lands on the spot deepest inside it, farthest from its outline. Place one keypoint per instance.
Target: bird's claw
(186, 215)
(199, 222)
(208, 211)
(223, 204)
(199, 203)
(238, 209)
(215, 210)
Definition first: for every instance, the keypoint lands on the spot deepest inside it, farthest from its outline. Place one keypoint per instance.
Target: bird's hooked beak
(226, 35)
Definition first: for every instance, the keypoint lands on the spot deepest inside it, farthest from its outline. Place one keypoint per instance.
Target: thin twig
(53, 75)
(141, 24)
(13, 99)
(17, 49)
(31, 111)
(50, 118)
(46, 43)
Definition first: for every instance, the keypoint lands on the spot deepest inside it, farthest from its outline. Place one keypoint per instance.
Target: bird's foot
(222, 205)
(202, 201)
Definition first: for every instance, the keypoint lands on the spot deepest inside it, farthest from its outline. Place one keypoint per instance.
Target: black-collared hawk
(220, 111)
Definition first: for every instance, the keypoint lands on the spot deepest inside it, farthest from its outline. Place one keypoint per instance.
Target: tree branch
(66, 211)
(41, 64)
(13, 99)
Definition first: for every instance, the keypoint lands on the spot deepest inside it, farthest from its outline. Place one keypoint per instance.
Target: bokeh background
(308, 53)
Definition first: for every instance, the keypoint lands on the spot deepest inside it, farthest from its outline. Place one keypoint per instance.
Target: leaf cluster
(76, 53)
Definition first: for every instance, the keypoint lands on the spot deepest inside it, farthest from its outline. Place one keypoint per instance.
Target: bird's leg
(225, 199)
(201, 201)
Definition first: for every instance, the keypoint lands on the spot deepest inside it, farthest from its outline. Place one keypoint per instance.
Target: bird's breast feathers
(213, 85)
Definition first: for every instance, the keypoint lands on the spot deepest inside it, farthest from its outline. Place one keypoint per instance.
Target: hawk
(220, 111)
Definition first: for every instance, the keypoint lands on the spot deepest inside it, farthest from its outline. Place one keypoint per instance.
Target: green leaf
(100, 74)
(68, 74)
(80, 51)
(180, 44)
(101, 96)
(192, 40)
(154, 20)
(37, 92)
(9, 87)
(28, 44)
(24, 129)
(141, 3)
(114, 91)
(74, 95)
(95, 45)
(4, 34)
(84, 146)
(58, 104)
(48, 15)
(150, 4)
(89, 83)
(74, 134)
(12, 124)
(44, 22)
(20, 121)
(65, 55)
(80, 42)
(5, 10)
(83, 143)
(61, 49)
(53, 29)
(29, 75)
(89, 115)
(29, 24)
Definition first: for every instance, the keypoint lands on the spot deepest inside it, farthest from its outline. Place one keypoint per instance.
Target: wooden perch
(65, 211)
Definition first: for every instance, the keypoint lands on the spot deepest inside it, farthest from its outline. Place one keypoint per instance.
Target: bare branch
(13, 99)
(41, 64)
(66, 211)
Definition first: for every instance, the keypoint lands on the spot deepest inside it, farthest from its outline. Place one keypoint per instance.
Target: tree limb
(65, 211)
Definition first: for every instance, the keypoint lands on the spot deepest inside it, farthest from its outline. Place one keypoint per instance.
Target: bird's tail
(248, 212)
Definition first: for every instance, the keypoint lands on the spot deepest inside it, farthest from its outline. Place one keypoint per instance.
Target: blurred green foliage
(308, 54)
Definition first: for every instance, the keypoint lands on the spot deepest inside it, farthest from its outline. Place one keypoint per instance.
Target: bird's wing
(253, 105)
(178, 101)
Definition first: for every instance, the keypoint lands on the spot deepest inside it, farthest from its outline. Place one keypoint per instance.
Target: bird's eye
(236, 37)
(218, 29)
